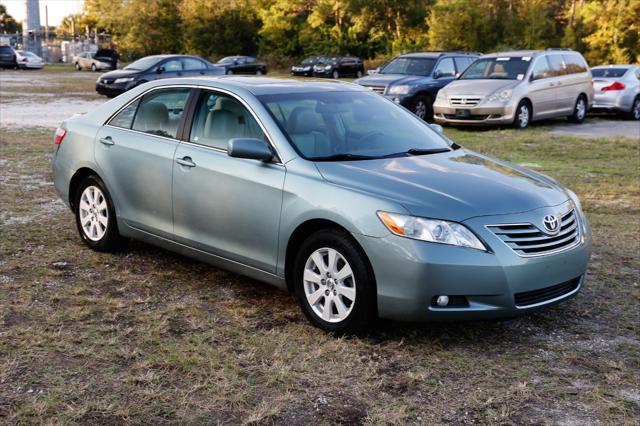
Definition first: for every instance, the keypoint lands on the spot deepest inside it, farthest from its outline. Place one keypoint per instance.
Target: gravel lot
(147, 336)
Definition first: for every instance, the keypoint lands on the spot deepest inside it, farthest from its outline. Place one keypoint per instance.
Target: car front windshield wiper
(426, 151)
(344, 157)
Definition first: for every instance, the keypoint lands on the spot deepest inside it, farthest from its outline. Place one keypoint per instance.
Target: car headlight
(306, 69)
(400, 89)
(501, 95)
(440, 96)
(433, 230)
(123, 80)
(327, 67)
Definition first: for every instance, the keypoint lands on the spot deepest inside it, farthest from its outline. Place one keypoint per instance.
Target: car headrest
(152, 116)
(302, 120)
(222, 125)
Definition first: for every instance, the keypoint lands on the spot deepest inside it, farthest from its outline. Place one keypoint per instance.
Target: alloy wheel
(329, 285)
(636, 109)
(581, 109)
(420, 109)
(336, 74)
(523, 116)
(94, 213)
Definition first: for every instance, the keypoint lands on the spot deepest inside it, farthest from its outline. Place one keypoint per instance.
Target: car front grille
(464, 101)
(527, 240)
(469, 118)
(529, 298)
(377, 89)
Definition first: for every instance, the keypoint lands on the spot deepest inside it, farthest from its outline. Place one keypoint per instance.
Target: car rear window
(609, 72)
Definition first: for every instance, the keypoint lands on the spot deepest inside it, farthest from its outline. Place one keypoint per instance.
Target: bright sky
(58, 9)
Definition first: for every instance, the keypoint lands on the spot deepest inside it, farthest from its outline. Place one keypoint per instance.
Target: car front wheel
(335, 74)
(229, 72)
(523, 115)
(423, 108)
(333, 282)
(96, 217)
(94, 68)
(78, 67)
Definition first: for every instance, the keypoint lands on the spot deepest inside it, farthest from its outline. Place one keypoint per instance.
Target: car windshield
(314, 60)
(409, 66)
(143, 64)
(228, 60)
(500, 68)
(327, 126)
(608, 72)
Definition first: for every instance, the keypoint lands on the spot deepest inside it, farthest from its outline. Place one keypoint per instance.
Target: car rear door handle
(186, 161)
(107, 141)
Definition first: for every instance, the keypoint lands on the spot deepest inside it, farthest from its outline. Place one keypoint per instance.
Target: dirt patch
(330, 408)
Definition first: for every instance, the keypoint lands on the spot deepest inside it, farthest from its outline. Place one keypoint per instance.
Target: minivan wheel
(634, 114)
(335, 74)
(522, 116)
(333, 282)
(96, 217)
(579, 111)
(423, 107)
(229, 72)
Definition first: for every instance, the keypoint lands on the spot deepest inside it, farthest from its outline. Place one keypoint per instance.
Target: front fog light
(442, 300)
(433, 230)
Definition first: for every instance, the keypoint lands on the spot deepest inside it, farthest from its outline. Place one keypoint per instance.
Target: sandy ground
(41, 99)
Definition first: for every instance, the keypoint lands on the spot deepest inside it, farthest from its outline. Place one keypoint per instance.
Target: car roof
(626, 66)
(268, 85)
(436, 54)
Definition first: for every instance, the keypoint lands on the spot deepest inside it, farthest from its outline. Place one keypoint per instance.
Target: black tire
(229, 72)
(579, 110)
(78, 67)
(259, 72)
(422, 107)
(111, 240)
(634, 114)
(359, 74)
(522, 115)
(364, 306)
(94, 68)
(335, 74)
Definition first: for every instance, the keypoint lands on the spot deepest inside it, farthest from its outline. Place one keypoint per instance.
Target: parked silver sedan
(26, 59)
(617, 89)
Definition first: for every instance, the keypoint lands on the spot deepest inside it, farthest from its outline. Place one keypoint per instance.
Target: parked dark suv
(413, 80)
(242, 65)
(8, 58)
(150, 68)
(339, 66)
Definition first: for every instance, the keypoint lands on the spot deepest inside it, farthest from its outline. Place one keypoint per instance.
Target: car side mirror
(437, 128)
(160, 70)
(437, 74)
(250, 148)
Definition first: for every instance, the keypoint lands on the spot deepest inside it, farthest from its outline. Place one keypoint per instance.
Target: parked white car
(26, 59)
(617, 89)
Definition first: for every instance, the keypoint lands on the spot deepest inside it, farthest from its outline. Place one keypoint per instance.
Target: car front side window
(160, 112)
(219, 118)
(445, 68)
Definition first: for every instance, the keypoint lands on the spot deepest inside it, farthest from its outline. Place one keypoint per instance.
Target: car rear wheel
(634, 114)
(258, 72)
(579, 111)
(333, 282)
(78, 67)
(96, 217)
(359, 74)
(423, 107)
(94, 68)
(522, 116)
(335, 74)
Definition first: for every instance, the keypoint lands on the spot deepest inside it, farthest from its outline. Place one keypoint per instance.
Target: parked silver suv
(517, 88)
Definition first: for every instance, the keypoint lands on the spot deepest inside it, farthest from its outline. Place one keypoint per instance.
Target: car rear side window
(609, 72)
(574, 62)
(219, 118)
(124, 118)
(558, 67)
(190, 64)
(445, 68)
(160, 112)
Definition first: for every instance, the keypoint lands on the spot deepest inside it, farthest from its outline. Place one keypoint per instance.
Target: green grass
(147, 336)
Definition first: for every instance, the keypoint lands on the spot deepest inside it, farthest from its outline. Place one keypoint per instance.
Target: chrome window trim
(194, 86)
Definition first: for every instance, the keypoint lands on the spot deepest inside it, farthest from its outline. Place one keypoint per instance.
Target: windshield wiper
(344, 157)
(427, 151)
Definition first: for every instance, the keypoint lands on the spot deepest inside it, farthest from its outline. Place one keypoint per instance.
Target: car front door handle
(107, 141)
(186, 161)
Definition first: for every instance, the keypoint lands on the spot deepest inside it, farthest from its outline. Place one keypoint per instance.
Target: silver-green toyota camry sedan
(325, 189)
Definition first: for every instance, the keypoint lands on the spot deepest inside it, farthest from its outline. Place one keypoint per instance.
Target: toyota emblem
(551, 224)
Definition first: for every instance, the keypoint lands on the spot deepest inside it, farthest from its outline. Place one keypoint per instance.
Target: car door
(229, 207)
(169, 68)
(541, 90)
(135, 153)
(561, 82)
(85, 60)
(193, 67)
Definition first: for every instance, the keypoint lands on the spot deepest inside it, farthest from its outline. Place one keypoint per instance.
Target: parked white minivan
(517, 88)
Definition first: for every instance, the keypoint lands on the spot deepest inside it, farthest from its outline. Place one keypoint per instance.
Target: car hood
(456, 185)
(120, 74)
(387, 79)
(478, 87)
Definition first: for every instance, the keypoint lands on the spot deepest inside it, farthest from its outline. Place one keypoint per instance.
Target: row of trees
(604, 30)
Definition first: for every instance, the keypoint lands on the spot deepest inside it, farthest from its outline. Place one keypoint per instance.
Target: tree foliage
(605, 30)
(7, 23)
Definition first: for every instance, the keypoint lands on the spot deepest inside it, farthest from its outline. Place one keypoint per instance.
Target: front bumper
(112, 89)
(478, 115)
(411, 274)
